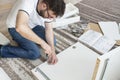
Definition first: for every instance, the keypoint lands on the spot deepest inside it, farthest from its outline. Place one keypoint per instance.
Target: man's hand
(47, 48)
(52, 59)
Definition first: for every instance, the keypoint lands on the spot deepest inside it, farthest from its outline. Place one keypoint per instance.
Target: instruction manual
(97, 41)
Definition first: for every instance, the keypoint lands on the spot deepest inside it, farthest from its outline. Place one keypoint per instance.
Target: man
(29, 24)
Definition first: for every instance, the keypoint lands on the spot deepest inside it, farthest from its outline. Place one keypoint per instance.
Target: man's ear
(44, 6)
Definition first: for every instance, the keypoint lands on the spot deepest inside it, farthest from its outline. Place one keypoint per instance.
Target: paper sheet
(90, 37)
(104, 44)
(110, 29)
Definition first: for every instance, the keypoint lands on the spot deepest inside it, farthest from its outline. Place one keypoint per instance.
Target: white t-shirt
(29, 6)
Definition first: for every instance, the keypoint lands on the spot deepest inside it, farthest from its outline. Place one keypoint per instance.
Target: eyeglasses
(50, 14)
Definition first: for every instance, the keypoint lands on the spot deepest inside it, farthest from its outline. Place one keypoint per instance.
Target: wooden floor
(100, 10)
(92, 10)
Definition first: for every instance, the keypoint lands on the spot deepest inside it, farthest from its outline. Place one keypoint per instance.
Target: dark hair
(57, 6)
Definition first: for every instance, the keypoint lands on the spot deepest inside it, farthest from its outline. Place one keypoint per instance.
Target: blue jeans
(26, 48)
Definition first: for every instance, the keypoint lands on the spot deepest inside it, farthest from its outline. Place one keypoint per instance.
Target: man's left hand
(52, 59)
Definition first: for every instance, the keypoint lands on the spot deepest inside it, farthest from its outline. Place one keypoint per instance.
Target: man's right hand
(46, 48)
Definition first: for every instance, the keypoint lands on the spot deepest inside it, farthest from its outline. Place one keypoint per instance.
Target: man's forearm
(50, 36)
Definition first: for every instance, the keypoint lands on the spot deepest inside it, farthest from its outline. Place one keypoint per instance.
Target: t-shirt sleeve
(27, 6)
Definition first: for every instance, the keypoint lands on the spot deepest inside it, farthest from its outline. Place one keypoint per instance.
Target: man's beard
(41, 13)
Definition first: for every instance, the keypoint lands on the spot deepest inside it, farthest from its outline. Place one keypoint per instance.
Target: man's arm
(49, 35)
(50, 40)
(23, 28)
